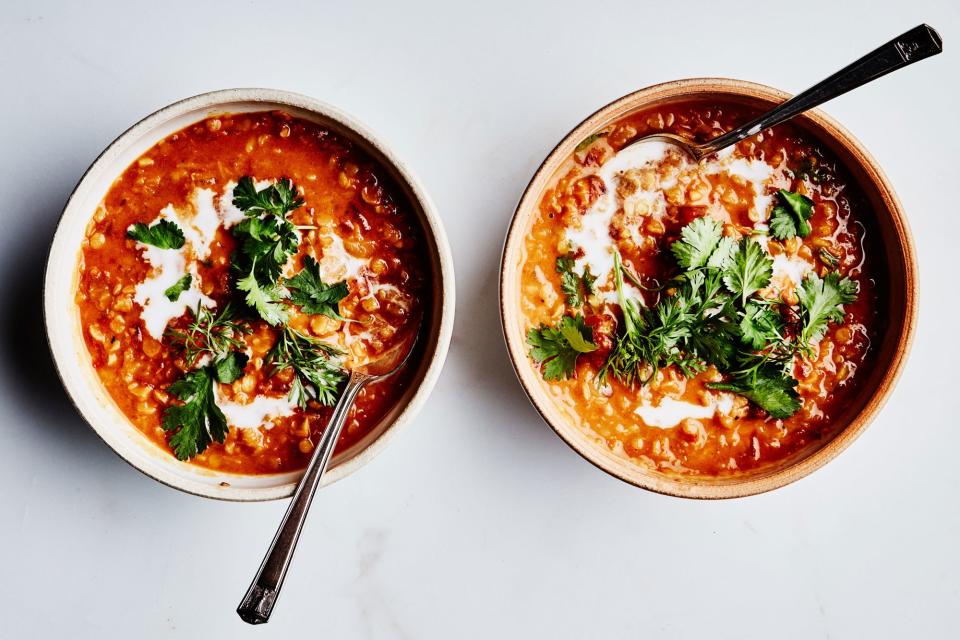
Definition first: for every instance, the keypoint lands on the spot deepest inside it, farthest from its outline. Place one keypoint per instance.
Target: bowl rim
(645, 478)
(272, 99)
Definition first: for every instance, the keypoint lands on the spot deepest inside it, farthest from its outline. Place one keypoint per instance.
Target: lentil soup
(636, 304)
(230, 276)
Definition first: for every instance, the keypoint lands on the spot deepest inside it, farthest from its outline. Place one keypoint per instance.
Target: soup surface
(700, 319)
(229, 277)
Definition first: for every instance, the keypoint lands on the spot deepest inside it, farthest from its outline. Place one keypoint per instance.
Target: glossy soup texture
(354, 222)
(676, 424)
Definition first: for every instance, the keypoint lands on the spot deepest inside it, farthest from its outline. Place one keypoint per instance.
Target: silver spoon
(914, 45)
(257, 604)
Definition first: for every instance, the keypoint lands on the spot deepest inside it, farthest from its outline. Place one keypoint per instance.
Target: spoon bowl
(258, 602)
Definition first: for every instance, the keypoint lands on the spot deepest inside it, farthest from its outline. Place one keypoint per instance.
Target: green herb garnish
(278, 199)
(312, 294)
(316, 375)
(264, 297)
(766, 385)
(230, 367)
(574, 286)
(710, 313)
(198, 421)
(173, 292)
(164, 234)
(790, 217)
(213, 335)
(589, 140)
(558, 347)
(748, 271)
(688, 328)
(821, 302)
(702, 242)
(267, 240)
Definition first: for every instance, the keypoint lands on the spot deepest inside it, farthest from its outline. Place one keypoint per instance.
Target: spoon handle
(914, 45)
(258, 602)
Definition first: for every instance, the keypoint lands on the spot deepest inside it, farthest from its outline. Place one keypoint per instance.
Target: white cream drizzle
(671, 412)
(259, 412)
(790, 270)
(337, 264)
(593, 234)
(199, 225)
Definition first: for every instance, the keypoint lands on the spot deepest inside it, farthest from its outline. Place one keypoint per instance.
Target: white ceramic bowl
(63, 320)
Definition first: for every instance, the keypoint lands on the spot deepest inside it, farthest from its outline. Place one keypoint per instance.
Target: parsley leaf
(230, 367)
(265, 246)
(749, 270)
(821, 302)
(314, 296)
(316, 375)
(767, 387)
(173, 292)
(697, 242)
(790, 217)
(722, 254)
(588, 279)
(278, 199)
(164, 234)
(782, 224)
(266, 241)
(198, 421)
(558, 347)
(266, 299)
(570, 281)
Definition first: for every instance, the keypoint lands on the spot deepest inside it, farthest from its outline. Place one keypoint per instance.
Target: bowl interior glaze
(63, 322)
(897, 267)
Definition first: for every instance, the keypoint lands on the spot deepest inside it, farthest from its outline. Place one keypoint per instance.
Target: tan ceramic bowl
(898, 315)
(63, 321)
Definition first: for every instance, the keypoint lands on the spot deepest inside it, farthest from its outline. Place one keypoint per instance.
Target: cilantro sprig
(574, 286)
(748, 270)
(266, 298)
(821, 302)
(558, 347)
(790, 217)
(712, 312)
(766, 385)
(688, 328)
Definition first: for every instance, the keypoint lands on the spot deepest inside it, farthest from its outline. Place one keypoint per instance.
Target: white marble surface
(477, 522)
